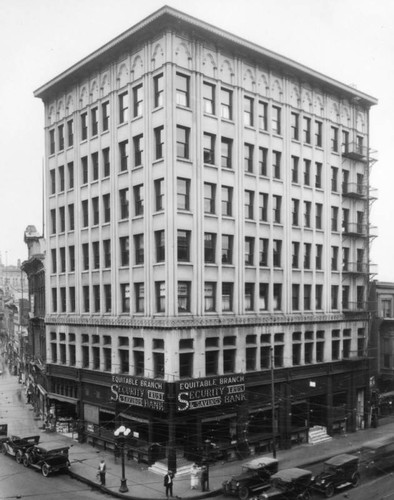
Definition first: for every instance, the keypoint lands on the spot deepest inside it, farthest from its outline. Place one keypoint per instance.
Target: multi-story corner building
(35, 352)
(208, 235)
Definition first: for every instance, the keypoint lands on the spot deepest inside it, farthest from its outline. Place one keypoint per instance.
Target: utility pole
(273, 403)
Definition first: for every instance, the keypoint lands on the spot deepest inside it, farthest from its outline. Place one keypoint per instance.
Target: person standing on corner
(168, 482)
(101, 471)
(205, 478)
(194, 477)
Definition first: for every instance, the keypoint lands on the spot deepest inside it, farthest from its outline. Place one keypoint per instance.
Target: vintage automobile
(255, 477)
(289, 484)
(16, 446)
(49, 458)
(338, 472)
(377, 455)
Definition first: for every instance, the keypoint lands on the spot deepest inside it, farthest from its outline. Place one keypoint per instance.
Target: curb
(117, 494)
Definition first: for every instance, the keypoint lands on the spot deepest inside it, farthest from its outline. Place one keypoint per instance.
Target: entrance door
(318, 411)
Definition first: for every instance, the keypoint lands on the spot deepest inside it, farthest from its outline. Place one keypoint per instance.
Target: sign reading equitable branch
(136, 391)
(215, 391)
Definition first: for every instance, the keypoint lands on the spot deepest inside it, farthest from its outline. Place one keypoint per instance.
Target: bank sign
(138, 391)
(207, 392)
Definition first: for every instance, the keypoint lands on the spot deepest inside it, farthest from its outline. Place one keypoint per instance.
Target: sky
(349, 40)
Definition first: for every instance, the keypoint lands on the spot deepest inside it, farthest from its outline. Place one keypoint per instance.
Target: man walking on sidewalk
(101, 472)
(168, 482)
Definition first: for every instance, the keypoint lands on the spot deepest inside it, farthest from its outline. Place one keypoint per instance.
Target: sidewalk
(145, 485)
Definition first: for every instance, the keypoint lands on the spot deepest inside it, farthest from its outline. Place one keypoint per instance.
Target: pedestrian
(101, 471)
(194, 476)
(168, 482)
(205, 478)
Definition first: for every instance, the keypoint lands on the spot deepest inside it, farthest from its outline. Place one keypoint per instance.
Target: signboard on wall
(194, 394)
(139, 391)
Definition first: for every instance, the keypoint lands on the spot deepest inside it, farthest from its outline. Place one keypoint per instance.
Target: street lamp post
(120, 435)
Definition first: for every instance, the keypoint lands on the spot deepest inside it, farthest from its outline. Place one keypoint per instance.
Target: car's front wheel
(26, 460)
(45, 470)
(243, 493)
(355, 479)
(329, 491)
(19, 457)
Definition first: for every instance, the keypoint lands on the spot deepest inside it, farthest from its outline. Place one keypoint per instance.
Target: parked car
(16, 446)
(289, 484)
(255, 477)
(49, 458)
(377, 455)
(338, 472)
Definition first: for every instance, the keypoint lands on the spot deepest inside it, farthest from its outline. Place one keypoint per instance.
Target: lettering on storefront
(216, 391)
(141, 392)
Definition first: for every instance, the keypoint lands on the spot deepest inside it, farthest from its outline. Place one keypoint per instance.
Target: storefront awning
(60, 397)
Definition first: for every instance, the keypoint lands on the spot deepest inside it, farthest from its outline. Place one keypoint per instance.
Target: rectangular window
(183, 245)
(160, 246)
(138, 200)
(138, 100)
(124, 203)
(159, 142)
(158, 83)
(227, 297)
(277, 251)
(96, 254)
(334, 218)
(263, 207)
(86, 298)
(138, 149)
(319, 297)
(105, 116)
(276, 120)
(211, 362)
(249, 296)
(85, 256)
(209, 297)
(263, 113)
(334, 179)
(62, 259)
(51, 142)
(95, 166)
(71, 256)
(62, 220)
(84, 126)
(307, 297)
(160, 287)
(295, 212)
(84, 169)
(295, 126)
(106, 162)
(54, 260)
(248, 157)
(307, 255)
(307, 172)
(209, 149)
(159, 194)
(184, 296)
(334, 296)
(182, 90)
(94, 121)
(277, 204)
(107, 298)
(318, 134)
(334, 139)
(60, 134)
(319, 254)
(227, 249)
(226, 153)
(183, 194)
(248, 111)
(139, 248)
(248, 204)
(107, 253)
(124, 250)
(208, 92)
(319, 215)
(53, 221)
(263, 252)
(295, 297)
(182, 142)
(307, 213)
(276, 161)
(295, 255)
(263, 296)
(345, 297)
(306, 131)
(125, 297)
(85, 213)
(277, 296)
(70, 133)
(249, 251)
(226, 104)
(334, 258)
(227, 201)
(318, 178)
(139, 289)
(96, 298)
(72, 298)
(123, 100)
(95, 210)
(263, 154)
(209, 198)
(345, 141)
(107, 207)
(294, 169)
(70, 168)
(124, 155)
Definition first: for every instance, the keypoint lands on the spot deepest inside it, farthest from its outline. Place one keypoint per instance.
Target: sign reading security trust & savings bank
(206, 392)
(138, 391)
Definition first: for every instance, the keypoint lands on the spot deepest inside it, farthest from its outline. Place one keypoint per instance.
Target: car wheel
(18, 457)
(329, 491)
(26, 460)
(45, 470)
(355, 479)
(4, 450)
(244, 493)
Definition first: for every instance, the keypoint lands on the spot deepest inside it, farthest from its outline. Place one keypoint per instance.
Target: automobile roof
(256, 463)
(342, 459)
(53, 445)
(291, 474)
